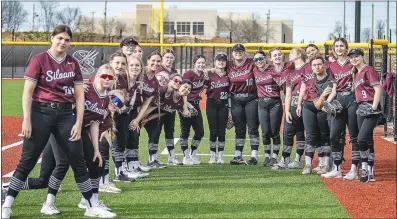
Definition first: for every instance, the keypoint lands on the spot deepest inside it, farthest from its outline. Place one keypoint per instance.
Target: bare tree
(110, 26)
(69, 16)
(120, 27)
(13, 15)
(49, 9)
(85, 25)
(230, 24)
(338, 31)
(253, 30)
(366, 34)
(380, 29)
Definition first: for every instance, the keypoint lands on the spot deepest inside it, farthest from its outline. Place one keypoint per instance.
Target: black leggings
(290, 131)
(196, 122)
(245, 114)
(366, 125)
(347, 117)
(217, 116)
(61, 169)
(270, 112)
(167, 122)
(120, 143)
(59, 122)
(317, 130)
(104, 148)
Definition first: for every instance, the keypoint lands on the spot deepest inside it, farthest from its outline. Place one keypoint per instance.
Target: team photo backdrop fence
(91, 55)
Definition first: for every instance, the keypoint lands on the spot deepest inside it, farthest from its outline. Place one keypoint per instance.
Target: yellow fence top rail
(376, 44)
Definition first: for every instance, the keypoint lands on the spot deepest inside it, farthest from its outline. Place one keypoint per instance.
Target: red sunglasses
(177, 81)
(106, 76)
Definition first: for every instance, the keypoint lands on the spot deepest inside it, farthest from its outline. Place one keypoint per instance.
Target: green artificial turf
(200, 191)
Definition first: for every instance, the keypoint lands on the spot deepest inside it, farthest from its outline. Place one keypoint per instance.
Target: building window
(198, 28)
(183, 28)
(169, 27)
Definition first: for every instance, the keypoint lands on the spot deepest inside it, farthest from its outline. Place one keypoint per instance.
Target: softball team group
(84, 125)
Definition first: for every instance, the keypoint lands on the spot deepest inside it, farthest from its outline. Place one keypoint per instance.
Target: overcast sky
(313, 21)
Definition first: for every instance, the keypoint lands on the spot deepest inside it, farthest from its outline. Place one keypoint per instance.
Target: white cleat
(279, 165)
(174, 161)
(295, 165)
(195, 160)
(109, 187)
(307, 170)
(187, 161)
(5, 212)
(352, 175)
(84, 204)
(143, 167)
(212, 160)
(49, 209)
(99, 213)
(136, 174)
(220, 160)
(318, 168)
(333, 174)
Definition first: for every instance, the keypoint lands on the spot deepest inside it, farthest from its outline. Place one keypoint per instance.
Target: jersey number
(250, 81)
(68, 90)
(364, 94)
(349, 84)
(268, 89)
(224, 95)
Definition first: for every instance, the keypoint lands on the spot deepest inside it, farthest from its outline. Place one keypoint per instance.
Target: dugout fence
(91, 55)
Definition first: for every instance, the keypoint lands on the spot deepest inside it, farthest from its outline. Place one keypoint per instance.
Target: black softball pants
(365, 138)
(62, 168)
(120, 143)
(104, 148)
(289, 132)
(196, 122)
(168, 123)
(217, 116)
(270, 112)
(347, 117)
(317, 130)
(245, 114)
(59, 122)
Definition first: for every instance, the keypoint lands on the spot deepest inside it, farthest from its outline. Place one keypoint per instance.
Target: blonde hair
(102, 68)
(302, 52)
(142, 68)
(121, 95)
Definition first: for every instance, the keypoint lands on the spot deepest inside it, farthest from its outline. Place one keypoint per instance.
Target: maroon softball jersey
(217, 86)
(242, 79)
(311, 91)
(170, 71)
(266, 86)
(148, 88)
(296, 76)
(281, 76)
(364, 82)
(55, 78)
(341, 74)
(169, 105)
(198, 85)
(106, 124)
(96, 106)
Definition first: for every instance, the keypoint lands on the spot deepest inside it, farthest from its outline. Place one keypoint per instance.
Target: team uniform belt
(345, 93)
(195, 102)
(240, 95)
(54, 105)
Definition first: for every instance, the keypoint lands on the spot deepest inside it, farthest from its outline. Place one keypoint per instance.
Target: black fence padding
(15, 58)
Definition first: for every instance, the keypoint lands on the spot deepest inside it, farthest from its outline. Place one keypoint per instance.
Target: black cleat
(267, 160)
(364, 176)
(123, 178)
(252, 161)
(272, 162)
(238, 161)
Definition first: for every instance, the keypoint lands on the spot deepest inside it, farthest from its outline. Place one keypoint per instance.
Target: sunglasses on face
(116, 101)
(259, 59)
(106, 76)
(177, 81)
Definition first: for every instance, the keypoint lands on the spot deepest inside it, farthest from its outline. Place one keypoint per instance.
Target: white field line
(11, 145)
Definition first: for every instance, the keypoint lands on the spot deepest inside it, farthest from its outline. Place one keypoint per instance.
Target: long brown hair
(118, 53)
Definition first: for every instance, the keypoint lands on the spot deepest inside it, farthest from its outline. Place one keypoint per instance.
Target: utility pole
(372, 28)
(104, 13)
(34, 16)
(267, 25)
(344, 20)
(357, 28)
(387, 21)
(93, 24)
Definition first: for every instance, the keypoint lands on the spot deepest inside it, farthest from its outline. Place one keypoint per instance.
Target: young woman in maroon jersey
(138, 52)
(293, 122)
(97, 103)
(314, 119)
(244, 102)
(270, 110)
(167, 62)
(341, 75)
(148, 92)
(196, 76)
(367, 90)
(47, 103)
(217, 89)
